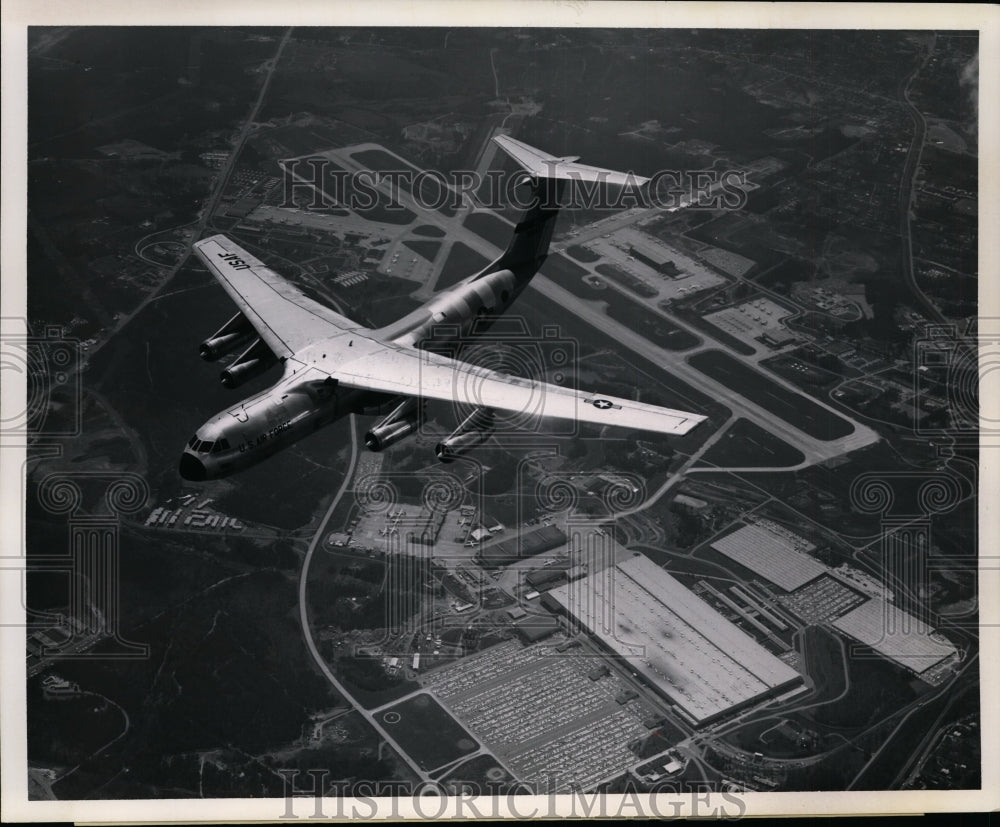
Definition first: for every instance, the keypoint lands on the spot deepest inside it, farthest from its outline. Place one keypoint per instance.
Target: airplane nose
(192, 468)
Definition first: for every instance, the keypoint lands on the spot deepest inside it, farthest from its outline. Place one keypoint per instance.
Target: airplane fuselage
(306, 398)
(332, 366)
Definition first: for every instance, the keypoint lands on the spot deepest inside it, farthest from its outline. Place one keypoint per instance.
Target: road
(315, 543)
(118, 737)
(910, 167)
(209, 209)
(948, 694)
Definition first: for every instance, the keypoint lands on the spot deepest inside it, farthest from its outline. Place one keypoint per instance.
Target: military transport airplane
(333, 366)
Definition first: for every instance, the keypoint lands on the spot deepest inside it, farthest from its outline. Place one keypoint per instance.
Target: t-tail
(547, 176)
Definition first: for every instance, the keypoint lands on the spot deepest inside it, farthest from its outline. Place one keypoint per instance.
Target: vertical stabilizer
(547, 176)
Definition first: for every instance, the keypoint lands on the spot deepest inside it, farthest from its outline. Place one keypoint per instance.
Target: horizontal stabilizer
(540, 164)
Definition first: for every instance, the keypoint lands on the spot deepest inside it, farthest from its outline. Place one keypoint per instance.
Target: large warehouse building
(896, 635)
(840, 597)
(685, 649)
(772, 554)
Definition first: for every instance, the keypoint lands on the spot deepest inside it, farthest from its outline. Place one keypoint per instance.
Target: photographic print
(567, 416)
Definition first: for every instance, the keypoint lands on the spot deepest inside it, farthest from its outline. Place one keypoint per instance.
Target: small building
(598, 672)
(653, 721)
(693, 503)
(778, 338)
(545, 578)
(536, 627)
(840, 348)
(56, 688)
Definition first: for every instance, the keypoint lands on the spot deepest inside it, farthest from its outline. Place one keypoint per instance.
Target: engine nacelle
(474, 430)
(226, 339)
(252, 362)
(401, 422)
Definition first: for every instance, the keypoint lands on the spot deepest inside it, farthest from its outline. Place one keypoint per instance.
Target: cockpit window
(219, 447)
(205, 447)
(224, 443)
(193, 441)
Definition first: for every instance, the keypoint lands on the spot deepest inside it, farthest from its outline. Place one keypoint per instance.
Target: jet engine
(389, 430)
(227, 338)
(252, 362)
(474, 430)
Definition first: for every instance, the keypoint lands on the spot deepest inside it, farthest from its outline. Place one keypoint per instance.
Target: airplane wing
(543, 165)
(397, 369)
(284, 318)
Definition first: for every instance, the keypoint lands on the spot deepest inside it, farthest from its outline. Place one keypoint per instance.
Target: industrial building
(510, 551)
(685, 649)
(895, 635)
(536, 627)
(774, 556)
(848, 600)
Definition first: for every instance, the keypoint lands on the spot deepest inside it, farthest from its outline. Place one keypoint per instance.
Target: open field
(794, 408)
(429, 735)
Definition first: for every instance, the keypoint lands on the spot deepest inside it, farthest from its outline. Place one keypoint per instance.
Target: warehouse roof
(684, 647)
(774, 556)
(895, 634)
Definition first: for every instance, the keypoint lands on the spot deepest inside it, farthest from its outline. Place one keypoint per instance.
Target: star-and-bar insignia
(602, 404)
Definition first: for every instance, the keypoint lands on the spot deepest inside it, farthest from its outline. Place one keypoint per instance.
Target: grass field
(462, 261)
(427, 249)
(581, 253)
(484, 773)
(430, 191)
(430, 736)
(656, 328)
(795, 409)
(747, 444)
(494, 229)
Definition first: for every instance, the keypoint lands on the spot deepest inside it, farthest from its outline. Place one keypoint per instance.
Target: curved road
(304, 612)
(906, 189)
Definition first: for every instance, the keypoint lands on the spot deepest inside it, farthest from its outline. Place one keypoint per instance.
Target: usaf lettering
(234, 261)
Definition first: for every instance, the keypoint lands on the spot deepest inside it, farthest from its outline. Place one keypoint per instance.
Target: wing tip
(217, 238)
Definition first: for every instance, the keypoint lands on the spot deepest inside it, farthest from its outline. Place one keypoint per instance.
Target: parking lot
(542, 714)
